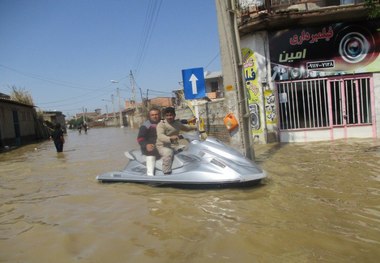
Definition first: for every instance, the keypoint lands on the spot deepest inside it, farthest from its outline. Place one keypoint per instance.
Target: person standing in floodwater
(58, 138)
(85, 127)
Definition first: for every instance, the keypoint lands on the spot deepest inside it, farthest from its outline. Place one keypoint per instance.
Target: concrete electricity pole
(118, 95)
(232, 67)
(120, 115)
(132, 81)
(113, 110)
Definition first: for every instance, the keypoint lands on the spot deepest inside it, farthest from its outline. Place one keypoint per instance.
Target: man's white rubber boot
(150, 163)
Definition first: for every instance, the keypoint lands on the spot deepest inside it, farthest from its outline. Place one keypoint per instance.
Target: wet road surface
(320, 203)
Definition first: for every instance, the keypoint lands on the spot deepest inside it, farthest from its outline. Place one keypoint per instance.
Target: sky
(65, 53)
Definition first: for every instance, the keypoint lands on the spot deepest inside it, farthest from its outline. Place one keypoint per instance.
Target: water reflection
(319, 204)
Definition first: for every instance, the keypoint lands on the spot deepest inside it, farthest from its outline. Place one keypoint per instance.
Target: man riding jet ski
(200, 163)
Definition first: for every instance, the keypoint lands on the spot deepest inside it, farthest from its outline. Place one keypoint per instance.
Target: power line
(212, 60)
(39, 77)
(82, 98)
(149, 24)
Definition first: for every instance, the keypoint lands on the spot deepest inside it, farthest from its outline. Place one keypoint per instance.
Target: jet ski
(200, 163)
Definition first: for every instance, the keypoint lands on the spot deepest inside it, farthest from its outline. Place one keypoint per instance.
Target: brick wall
(161, 101)
(213, 113)
(220, 132)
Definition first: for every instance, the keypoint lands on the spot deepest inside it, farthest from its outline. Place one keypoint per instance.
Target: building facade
(311, 69)
(17, 123)
(214, 84)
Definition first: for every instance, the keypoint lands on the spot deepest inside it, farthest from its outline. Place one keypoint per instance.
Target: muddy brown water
(320, 203)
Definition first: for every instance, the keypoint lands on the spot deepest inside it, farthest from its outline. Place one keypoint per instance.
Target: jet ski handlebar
(190, 136)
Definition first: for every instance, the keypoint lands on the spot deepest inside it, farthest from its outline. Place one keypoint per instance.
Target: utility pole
(113, 109)
(132, 81)
(120, 116)
(118, 95)
(147, 98)
(232, 66)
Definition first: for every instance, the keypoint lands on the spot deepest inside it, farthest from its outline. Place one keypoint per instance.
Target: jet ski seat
(141, 158)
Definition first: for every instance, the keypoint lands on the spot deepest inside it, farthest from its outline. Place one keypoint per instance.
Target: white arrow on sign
(193, 79)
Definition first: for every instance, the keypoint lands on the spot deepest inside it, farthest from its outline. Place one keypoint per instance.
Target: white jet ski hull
(202, 164)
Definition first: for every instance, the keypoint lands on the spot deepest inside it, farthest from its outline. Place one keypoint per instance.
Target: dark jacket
(147, 135)
(57, 135)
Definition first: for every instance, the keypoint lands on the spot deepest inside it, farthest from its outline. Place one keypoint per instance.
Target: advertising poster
(253, 89)
(325, 50)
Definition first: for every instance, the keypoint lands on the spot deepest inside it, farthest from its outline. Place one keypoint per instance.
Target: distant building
(54, 117)
(214, 84)
(161, 102)
(131, 104)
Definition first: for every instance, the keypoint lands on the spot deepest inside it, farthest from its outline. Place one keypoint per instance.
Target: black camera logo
(356, 45)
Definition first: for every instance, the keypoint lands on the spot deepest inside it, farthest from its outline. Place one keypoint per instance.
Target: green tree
(373, 8)
(75, 123)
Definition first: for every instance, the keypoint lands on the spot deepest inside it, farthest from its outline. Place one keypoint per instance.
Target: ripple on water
(323, 197)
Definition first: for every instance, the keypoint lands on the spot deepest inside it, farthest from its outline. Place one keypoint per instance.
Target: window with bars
(321, 103)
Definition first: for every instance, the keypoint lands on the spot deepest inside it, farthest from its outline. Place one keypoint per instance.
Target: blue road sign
(194, 83)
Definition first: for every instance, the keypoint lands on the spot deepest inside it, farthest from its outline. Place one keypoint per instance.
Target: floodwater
(320, 203)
